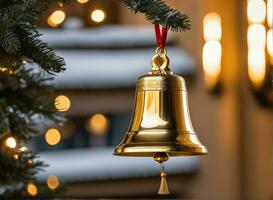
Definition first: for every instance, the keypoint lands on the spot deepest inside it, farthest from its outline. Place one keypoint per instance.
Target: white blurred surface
(99, 164)
(114, 68)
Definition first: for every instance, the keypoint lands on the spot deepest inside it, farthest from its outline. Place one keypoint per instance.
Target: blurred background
(226, 59)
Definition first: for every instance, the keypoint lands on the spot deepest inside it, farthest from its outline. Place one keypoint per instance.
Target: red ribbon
(161, 36)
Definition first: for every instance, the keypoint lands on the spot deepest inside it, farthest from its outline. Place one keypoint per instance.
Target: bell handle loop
(160, 64)
(160, 52)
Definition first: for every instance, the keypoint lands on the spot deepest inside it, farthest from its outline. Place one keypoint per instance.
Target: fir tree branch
(158, 11)
(19, 35)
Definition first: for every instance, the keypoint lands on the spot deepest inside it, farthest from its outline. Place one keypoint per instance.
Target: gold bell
(161, 124)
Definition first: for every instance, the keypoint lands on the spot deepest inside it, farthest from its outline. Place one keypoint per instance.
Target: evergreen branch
(158, 11)
(19, 35)
(9, 41)
(38, 51)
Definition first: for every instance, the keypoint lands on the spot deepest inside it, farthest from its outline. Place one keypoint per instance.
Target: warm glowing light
(11, 142)
(270, 43)
(256, 66)
(53, 136)
(256, 11)
(30, 162)
(212, 27)
(22, 149)
(212, 54)
(98, 124)
(56, 18)
(270, 13)
(16, 156)
(5, 69)
(62, 103)
(53, 182)
(98, 16)
(32, 189)
(82, 1)
(256, 36)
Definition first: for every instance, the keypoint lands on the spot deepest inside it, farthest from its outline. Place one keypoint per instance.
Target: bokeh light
(62, 103)
(23, 149)
(98, 124)
(52, 136)
(32, 189)
(10, 142)
(212, 27)
(82, 1)
(56, 18)
(53, 182)
(256, 66)
(256, 36)
(98, 16)
(212, 55)
(5, 69)
(29, 161)
(256, 11)
(16, 156)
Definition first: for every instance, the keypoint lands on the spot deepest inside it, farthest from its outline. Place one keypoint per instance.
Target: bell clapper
(161, 158)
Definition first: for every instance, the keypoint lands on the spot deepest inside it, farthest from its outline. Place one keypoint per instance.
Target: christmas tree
(27, 64)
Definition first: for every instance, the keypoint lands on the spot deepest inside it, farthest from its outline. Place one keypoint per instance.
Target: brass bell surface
(161, 120)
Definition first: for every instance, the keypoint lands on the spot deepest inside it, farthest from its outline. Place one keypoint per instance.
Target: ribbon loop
(161, 36)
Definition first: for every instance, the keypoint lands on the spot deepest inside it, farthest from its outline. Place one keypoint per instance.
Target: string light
(62, 103)
(98, 124)
(53, 182)
(56, 18)
(52, 136)
(10, 142)
(32, 189)
(98, 16)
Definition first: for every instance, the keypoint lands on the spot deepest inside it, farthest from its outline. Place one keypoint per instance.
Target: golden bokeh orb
(98, 124)
(56, 18)
(256, 11)
(53, 182)
(62, 103)
(10, 142)
(212, 27)
(98, 16)
(52, 136)
(82, 1)
(32, 189)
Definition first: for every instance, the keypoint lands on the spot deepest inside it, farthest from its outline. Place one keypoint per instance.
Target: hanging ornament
(161, 124)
